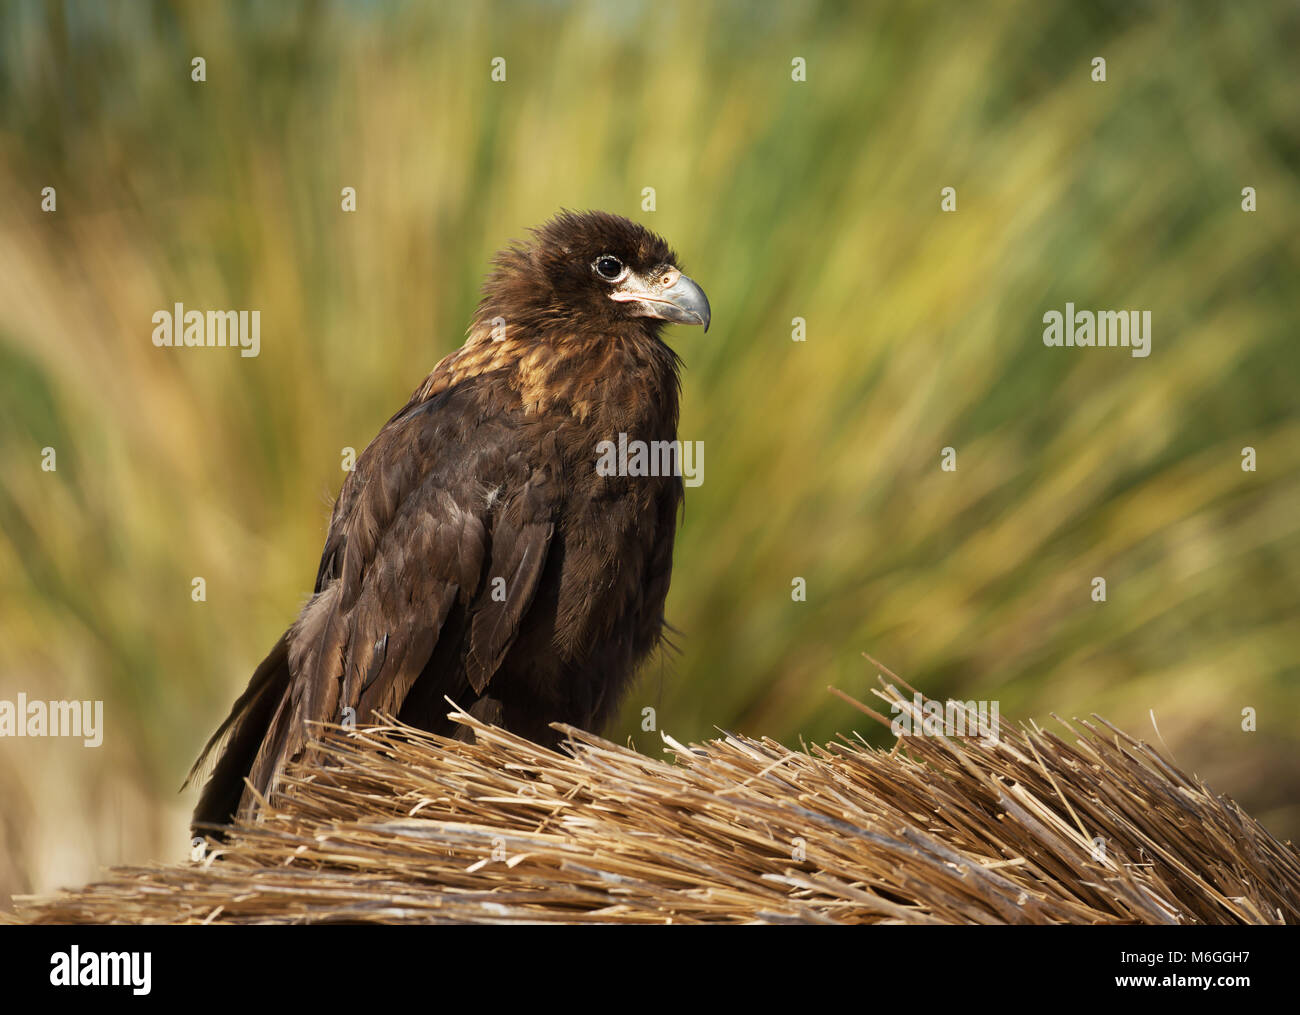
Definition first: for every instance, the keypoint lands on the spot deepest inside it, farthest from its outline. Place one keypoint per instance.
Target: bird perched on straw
(476, 552)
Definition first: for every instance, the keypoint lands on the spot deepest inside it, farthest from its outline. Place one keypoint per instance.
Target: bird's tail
(237, 741)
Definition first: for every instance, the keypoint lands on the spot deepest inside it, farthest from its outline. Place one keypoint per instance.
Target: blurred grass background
(817, 200)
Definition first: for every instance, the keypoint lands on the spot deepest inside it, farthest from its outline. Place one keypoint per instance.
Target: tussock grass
(392, 825)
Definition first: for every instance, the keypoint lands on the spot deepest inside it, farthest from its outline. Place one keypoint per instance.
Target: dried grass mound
(403, 827)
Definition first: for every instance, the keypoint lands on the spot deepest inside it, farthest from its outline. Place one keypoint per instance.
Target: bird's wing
(442, 502)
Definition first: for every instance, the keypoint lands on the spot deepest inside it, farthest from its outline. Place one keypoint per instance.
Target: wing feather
(415, 539)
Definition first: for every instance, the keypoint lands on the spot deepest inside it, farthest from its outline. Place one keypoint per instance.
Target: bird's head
(592, 270)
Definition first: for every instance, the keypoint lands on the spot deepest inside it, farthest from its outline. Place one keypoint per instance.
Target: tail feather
(237, 741)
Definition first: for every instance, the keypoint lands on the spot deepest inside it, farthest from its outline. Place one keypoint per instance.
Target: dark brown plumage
(489, 472)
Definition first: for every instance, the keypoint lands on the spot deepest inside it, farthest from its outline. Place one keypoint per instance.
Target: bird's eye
(609, 267)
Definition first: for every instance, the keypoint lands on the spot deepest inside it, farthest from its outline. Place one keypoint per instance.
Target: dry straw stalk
(391, 825)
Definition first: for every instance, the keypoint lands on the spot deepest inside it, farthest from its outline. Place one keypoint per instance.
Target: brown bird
(476, 551)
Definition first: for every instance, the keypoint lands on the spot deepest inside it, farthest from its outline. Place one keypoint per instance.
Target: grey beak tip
(683, 303)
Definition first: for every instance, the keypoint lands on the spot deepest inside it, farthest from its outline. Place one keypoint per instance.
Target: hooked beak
(667, 294)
